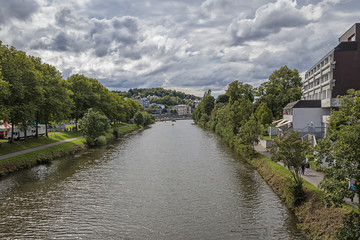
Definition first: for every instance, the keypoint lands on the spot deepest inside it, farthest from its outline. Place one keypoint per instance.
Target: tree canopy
(341, 149)
(283, 87)
(32, 92)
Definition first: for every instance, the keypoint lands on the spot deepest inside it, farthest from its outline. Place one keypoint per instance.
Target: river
(171, 181)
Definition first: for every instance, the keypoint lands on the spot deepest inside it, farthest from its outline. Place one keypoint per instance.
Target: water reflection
(167, 182)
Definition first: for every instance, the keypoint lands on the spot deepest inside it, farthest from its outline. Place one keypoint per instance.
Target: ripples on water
(167, 182)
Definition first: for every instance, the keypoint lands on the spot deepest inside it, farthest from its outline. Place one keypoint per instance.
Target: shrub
(90, 141)
(295, 194)
(116, 133)
(350, 228)
(101, 141)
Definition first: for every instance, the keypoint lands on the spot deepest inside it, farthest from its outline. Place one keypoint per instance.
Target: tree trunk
(76, 123)
(37, 129)
(46, 130)
(12, 132)
(25, 131)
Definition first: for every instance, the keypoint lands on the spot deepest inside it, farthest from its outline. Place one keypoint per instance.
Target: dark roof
(304, 104)
(346, 46)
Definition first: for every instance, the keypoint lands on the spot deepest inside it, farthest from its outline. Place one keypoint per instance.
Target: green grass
(28, 160)
(116, 125)
(6, 148)
(127, 129)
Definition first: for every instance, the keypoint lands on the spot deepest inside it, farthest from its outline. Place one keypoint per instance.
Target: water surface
(172, 181)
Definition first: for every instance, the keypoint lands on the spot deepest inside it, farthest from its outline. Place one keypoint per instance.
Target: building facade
(182, 109)
(332, 76)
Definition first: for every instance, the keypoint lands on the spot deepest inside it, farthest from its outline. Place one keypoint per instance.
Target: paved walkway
(47, 145)
(37, 148)
(312, 177)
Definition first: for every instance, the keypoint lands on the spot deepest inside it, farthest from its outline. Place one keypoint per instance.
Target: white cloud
(184, 44)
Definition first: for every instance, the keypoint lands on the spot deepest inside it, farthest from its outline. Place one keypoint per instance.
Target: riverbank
(45, 153)
(315, 219)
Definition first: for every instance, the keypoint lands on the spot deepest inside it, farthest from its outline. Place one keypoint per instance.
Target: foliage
(341, 149)
(238, 89)
(351, 227)
(205, 107)
(263, 114)
(33, 92)
(292, 152)
(283, 87)
(101, 141)
(250, 132)
(295, 194)
(139, 118)
(222, 98)
(159, 92)
(93, 125)
(143, 118)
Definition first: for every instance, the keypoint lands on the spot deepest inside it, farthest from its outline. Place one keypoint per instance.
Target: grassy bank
(316, 220)
(13, 164)
(16, 146)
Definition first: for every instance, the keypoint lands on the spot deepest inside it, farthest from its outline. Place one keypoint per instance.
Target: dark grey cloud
(17, 9)
(185, 44)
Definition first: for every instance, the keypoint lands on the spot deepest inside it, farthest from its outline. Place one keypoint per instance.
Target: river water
(171, 181)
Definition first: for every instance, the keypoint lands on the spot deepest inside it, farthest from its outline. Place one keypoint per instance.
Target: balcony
(330, 102)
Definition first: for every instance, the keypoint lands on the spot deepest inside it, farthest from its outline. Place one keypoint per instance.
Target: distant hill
(159, 95)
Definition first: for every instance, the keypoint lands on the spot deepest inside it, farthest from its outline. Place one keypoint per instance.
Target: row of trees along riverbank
(243, 114)
(35, 92)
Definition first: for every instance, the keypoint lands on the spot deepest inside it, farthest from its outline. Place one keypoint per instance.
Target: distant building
(332, 76)
(182, 109)
(145, 103)
(196, 103)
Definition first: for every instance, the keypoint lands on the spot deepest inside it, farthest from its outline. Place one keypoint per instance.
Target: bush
(295, 194)
(116, 133)
(350, 228)
(90, 141)
(101, 141)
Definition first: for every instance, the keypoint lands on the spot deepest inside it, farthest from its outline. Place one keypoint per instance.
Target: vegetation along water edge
(242, 116)
(46, 155)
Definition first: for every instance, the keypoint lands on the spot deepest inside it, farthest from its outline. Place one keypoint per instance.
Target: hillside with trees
(159, 95)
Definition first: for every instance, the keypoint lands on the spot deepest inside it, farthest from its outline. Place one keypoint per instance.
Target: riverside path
(313, 177)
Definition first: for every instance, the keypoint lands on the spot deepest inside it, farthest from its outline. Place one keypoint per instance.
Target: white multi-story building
(182, 109)
(332, 76)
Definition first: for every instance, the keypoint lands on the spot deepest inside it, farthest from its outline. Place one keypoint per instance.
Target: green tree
(54, 103)
(250, 132)
(291, 151)
(222, 98)
(93, 125)
(341, 149)
(263, 114)
(24, 89)
(4, 93)
(237, 89)
(283, 87)
(139, 118)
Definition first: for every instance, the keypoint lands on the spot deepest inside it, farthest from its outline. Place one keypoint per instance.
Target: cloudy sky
(187, 45)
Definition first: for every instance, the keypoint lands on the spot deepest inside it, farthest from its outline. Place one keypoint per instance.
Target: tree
(263, 114)
(222, 98)
(139, 118)
(93, 125)
(292, 152)
(283, 87)
(23, 84)
(341, 149)
(250, 132)
(54, 103)
(237, 89)
(4, 93)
